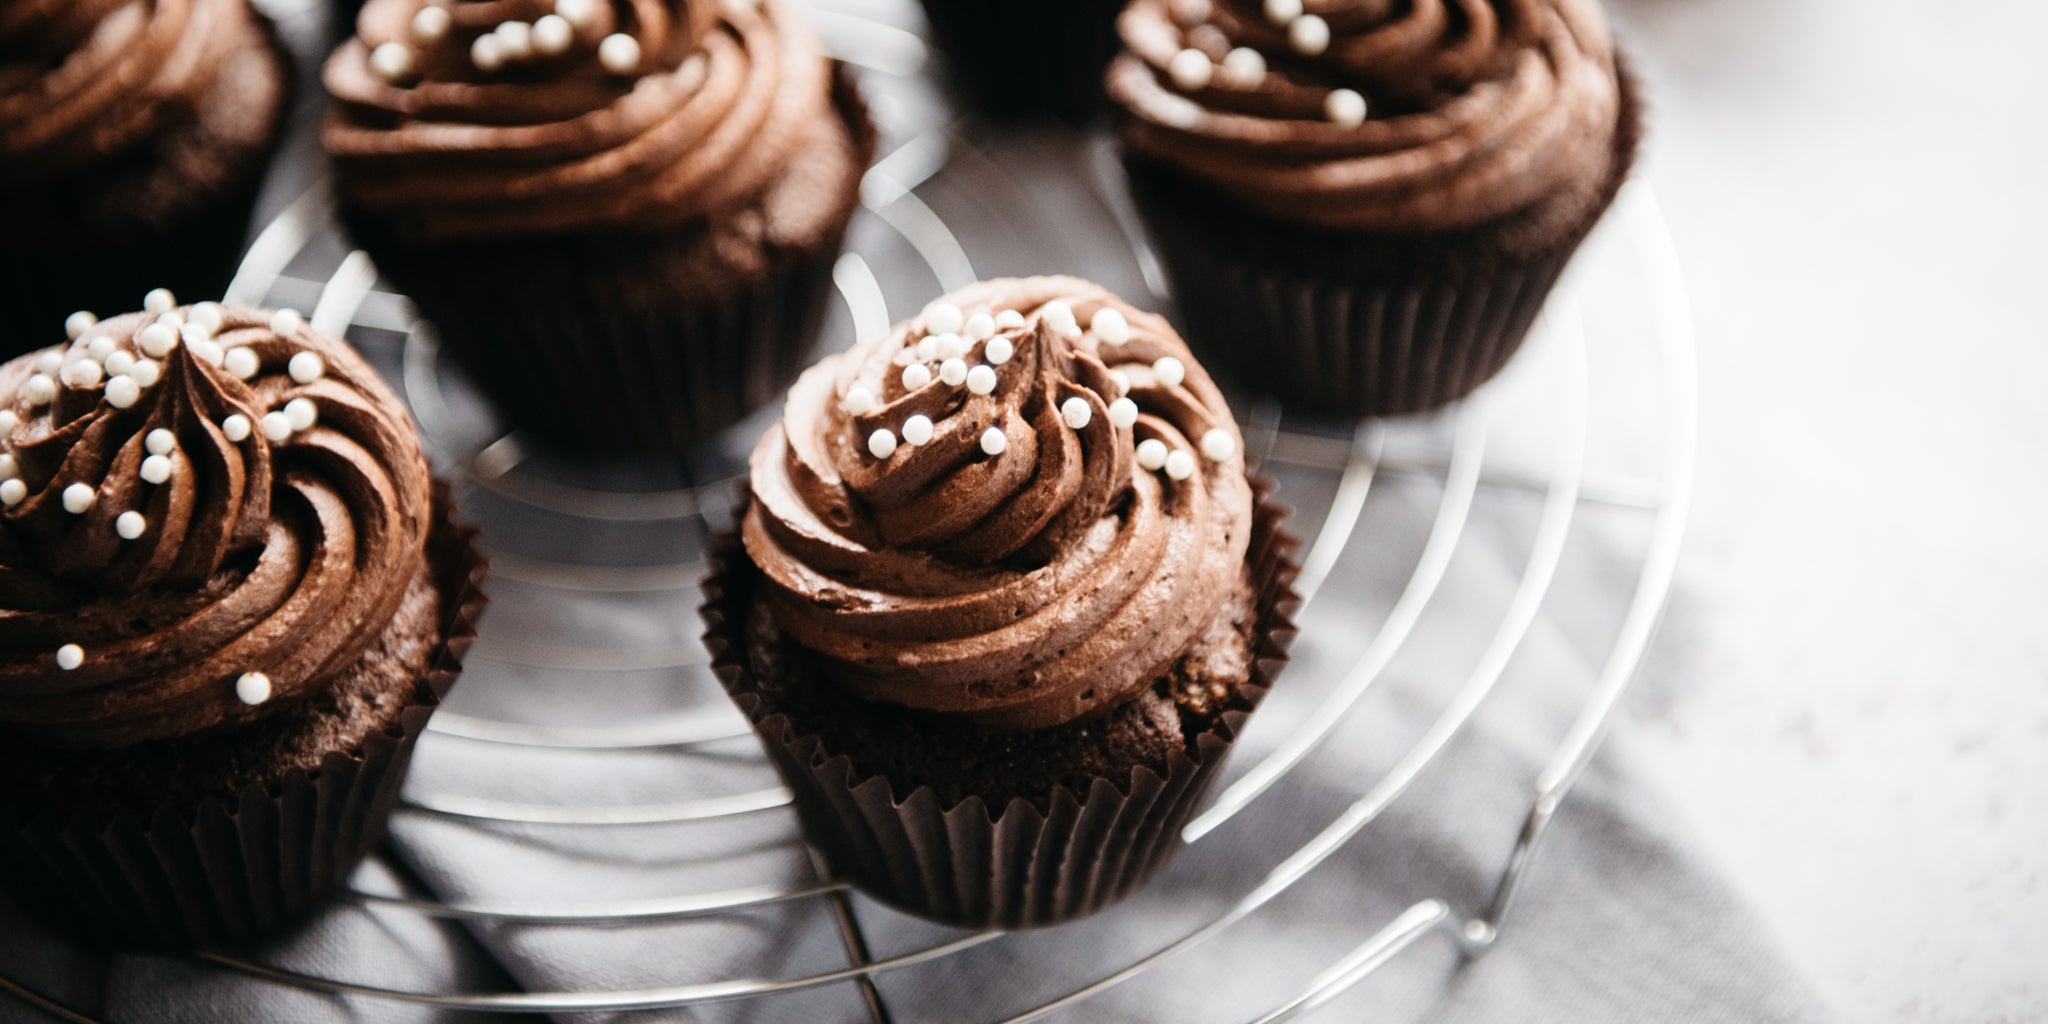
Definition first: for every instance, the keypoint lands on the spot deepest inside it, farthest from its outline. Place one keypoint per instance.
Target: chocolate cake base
(1012, 59)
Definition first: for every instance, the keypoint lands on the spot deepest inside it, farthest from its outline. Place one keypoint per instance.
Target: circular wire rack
(905, 244)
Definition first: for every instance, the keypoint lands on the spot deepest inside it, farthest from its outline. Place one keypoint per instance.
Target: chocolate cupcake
(1001, 600)
(1362, 207)
(620, 218)
(1013, 59)
(133, 139)
(230, 596)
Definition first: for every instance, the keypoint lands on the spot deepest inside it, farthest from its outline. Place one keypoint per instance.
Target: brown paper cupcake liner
(1014, 59)
(1358, 325)
(230, 870)
(1022, 867)
(588, 342)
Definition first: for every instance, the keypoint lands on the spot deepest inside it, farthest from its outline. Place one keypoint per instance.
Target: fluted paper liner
(231, 870)
(1019, 868)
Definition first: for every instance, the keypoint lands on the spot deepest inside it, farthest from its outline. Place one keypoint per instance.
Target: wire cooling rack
(944, 205)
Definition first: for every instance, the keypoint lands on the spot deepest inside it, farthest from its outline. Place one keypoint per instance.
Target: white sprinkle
(953, 372)
(392, 61)
(915, 376)
(1123, 412)
(12, 492)
(619, 53)
(130, 525)
(123, 392)
(40, 390)
(981, 379)
(235, 428)
(78, 323)
(1180, 465)
(100, 348)
(307, 367)
(927, 348)
(1345, 108)
(156, 340)
(1110, 326)
(1244, 68)
(487, 53)
(553, 35)
(252, 688)
(207, 315)
(431, 24)
(999, 350)
(119, 363)
(1190, 69)
(1309, 35)
(50, 362)
(286, 322)
(276, 427)
(918, 430)
(301, 413)
(1123, 381)
(882, 444)
(1059, 315)
(1077, 412)
(579, 13)
(81, 374)
(1152, 453)
(159, 301)
(515, 40)
(1218, 445)
(156, 469)
(1280, 12)
(980, 326)
(993, 441)
(8, 421)
(949, 345)
(78, 498)
(1009, 318)
(160, 442)
(859, 401)
(70, 656)
(171, 320)
(1170, 371)
(8, 469)
(944, 318)
(207, 351)
(145, 373)
(193, 334)
(241, 362)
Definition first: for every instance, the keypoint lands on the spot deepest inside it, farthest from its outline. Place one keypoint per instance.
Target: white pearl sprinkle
(918, 430)
(859, 401)
(944, 318)
(235, 428)
(999, 350)
(553, 35)
(130, 525)
(580, 13)
(1123, 381)
(156, 469)
(1009, 318)
(207, 351)
(100, 348)
(8, 421)
(1060, 316)
(927, 348)
(277, 427)
(392, 61)
(515, 40)
(156, 341)
(1170, 371)
(619, 53)
(1123, 412)
(1345, 108)
(171, 320)
(123, 392)
(1280, 12)
(915, 376)
(1218, 445)
(307, 367)
(78, 498)
(981, 379)
(40, 390)
(1110, 326)
(1244, 67)
(241, 362)
(192, 334)
(286, 322)
(949, 345)
(13, 492)
(431, 24)
(993, 441)
(1309, 35)
(882, 444)
(119, 363)
(8, 469)
(78, 323)
(159, 301)
(1190, 70)
(207, 315)
(980, 326)
(953, 372)
(145, 373)
(81, 374)
(160, 442)
(1077, 412)
(301, 413)
(70, 656)
(50, 362)
(487, 53)
(1180, 465)
(1152, 454)
(252, 688)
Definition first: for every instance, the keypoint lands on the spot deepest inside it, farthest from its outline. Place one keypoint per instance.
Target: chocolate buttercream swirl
(188, 503)
(82, 80)
(715, 102)
(1478, 109)
(1017, 565)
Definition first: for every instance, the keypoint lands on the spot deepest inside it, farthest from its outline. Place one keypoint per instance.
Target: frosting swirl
(1478, 109)
(84, 79)
(1035, 549)
(191, 500)
(491, 117)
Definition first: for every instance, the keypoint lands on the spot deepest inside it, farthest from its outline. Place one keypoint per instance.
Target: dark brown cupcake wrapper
(604, 359)
(1014, 59)
(1358, 325)
(229, 871)
(1023, 867)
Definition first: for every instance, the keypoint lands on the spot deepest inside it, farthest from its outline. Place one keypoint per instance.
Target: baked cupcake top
(1371, 114)
(81, 80)
(204, 513)
(1016, 510)
(485, 117)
